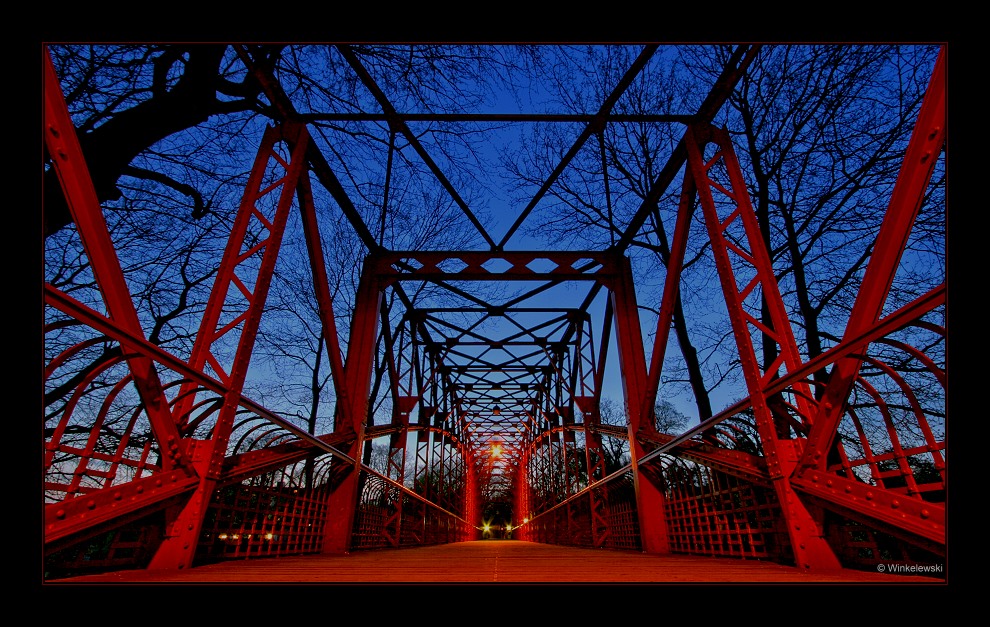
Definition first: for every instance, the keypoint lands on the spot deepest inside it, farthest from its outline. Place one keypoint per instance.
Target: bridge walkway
(497, 561)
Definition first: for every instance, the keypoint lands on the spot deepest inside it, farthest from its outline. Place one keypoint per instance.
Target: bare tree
(823, 130)
(820, 131)
(591, 203)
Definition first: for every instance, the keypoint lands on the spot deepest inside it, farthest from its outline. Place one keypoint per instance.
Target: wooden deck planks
(497, 561)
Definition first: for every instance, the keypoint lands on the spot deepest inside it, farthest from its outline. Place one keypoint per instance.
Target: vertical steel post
(595, 459)
(632, 359)
(805, 532)
(351, 420)
(397, 462)
(521, 506)
(183, 528)
(472, 497)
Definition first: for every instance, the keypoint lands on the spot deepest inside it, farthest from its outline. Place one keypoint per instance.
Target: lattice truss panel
(713, 513)
(603, 517)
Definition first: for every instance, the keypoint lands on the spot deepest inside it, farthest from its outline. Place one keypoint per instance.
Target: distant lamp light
(496, 450)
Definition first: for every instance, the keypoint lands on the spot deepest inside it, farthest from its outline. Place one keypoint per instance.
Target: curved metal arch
(79, 392)
(917, 410)
(239, 411)
(85, 455)
(896, 451)
(62, 324)
(148, 446)
(803, 392)
(244, 428)
(745, 428)
(925, 360)
(280, 437)
(71, 351)
(187, 388)
(322, 468)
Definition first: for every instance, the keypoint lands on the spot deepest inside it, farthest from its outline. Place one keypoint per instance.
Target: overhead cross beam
(595, 125)
(732, 73)
(398, 123)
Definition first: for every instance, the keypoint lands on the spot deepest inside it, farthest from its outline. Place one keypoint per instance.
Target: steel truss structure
(494, 404)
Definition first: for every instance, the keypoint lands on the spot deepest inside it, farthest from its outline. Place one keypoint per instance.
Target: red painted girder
(733, 71)
(391, 266)
(848, 346)
(924, 147)
(752, 468)
(177, 550)
(595, 464)
(895, 320)
(321, 285)
(598, 370)
(92, 513)
(758, 258)
(210, 330)
(612, 430)
(351, 420)
(632, 360)
(409, 361)
(671, 289)
(251, 463)
(388, 340)
(403, 406)
(913, 515)
(282, 103)
(397, 442)
(377, 431)
(87, 213)
(100, 323)
(804, 531)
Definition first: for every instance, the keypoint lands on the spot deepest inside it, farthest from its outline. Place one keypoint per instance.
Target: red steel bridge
(490, 364)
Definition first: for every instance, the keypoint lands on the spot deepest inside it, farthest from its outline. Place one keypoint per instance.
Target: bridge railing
(880, 484)
(882, 477)
(603, 515)
(389, 517)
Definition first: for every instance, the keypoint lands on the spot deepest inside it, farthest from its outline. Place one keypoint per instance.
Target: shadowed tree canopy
(182, 87)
